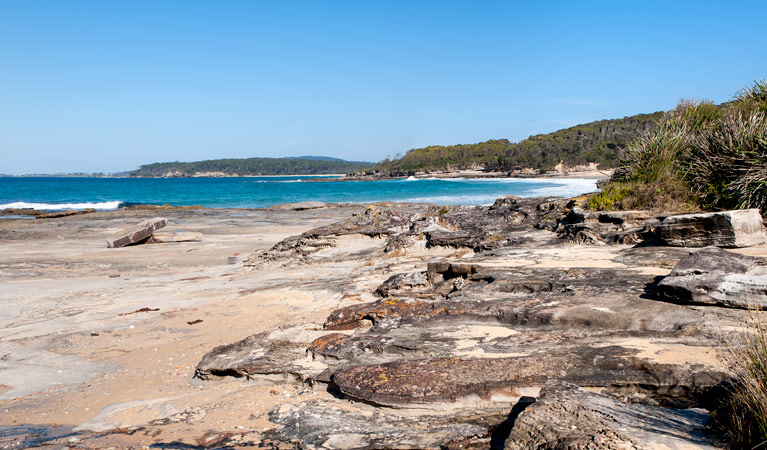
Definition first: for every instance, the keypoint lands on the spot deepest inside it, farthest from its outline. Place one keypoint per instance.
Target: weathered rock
(137, 234)
(474, 227)
(451, 380)
(741, 228)
(399, 282)
(567, 417)
(609, 227)
(173, 236)
(717, 277)
(299, 206)
(277, 356)
(316, 424)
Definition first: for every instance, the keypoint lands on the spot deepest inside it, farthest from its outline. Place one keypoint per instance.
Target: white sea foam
(60, 206)
(566, 187)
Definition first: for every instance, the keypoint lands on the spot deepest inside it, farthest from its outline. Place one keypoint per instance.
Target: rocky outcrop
(608, 227)
(315, 425)
(473, 227)
(136, 234)
(741, 228)
(565, 416)
(713, 276)
(472, 380)
(475, 337)
(299, 206)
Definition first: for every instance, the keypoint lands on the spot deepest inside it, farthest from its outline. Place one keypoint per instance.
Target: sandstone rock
(567, 417)
(173, 236)
(741, 228)
(300, 206)
(137, 234)
(612, 227)
(316, 424)
(471, 380)
(718, 277)
(276, 356)
(399, 282)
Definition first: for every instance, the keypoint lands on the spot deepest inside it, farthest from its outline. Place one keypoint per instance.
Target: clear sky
(109, 85)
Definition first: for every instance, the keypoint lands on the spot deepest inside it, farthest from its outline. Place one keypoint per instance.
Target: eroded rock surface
(473, 227)
(608, 227)
(451, 380)
(717, 277)
(454, 334)
(137, 233)
(319, 424)
(742, 228)
(568, 417)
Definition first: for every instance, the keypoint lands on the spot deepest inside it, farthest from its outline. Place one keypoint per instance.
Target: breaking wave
(104, 206)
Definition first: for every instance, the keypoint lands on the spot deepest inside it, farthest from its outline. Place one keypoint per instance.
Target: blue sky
(107, 85)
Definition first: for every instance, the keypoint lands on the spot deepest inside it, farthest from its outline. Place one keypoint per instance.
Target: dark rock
(300, 206)
(615, 227)
(137, 234)
(742, 228)
(451, 380)
(717, 277)
(567, 417)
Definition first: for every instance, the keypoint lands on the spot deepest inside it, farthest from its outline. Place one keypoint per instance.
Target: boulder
(300, 206)
(717, 277)
(137, 234)
(742, 228)
(567, 417)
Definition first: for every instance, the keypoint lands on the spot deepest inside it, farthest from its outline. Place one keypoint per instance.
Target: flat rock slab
(713, 276)
(568, 417)
(318, 424)
(137, 233)
(742, 228)
(173, 236)
(469, 380)
(299, 206)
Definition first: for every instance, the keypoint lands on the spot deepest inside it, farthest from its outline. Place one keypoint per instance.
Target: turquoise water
(54, 193)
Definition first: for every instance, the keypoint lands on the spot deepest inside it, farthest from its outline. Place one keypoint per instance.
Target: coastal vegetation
(743, 418)
(307, 165)
(700, 156)
(595, 142)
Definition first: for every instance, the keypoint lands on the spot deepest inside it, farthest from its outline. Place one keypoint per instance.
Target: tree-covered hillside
(598, 142)
(250, 166)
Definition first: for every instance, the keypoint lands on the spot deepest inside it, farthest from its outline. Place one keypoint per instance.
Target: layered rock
(474, 227)
(137, 234)
(714, 276)
(567, 416)
(472, 380)
(741, 228)
(608, 227)
(299, 206)
(318, 425)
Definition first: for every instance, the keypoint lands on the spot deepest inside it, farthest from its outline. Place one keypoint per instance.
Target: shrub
(744, 415)
(728, 163)
(700, 156)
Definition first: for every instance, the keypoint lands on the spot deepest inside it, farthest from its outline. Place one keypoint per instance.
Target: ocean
(58, 193)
